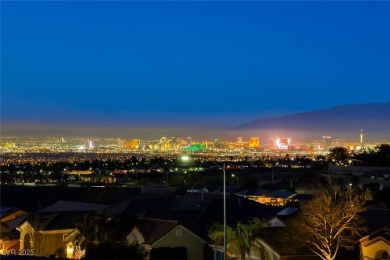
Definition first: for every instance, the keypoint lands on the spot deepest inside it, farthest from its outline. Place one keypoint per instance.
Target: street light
(168, 179)
(224, 213)
(234, 175)
(273, 166)
(142, 183)
(186, 158)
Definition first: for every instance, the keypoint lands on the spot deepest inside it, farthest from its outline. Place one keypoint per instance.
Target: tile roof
(5, 211)
(14, 223)
(137, 206)
(302, 197)
(64, 205)
(376, 218)
(198, 217)
(254, 192)
(382, 232)
(281, 194)
(154, 229)
(287, 211)
(117, 209)
(54, 221)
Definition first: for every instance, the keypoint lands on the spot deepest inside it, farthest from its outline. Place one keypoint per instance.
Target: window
(26, 241)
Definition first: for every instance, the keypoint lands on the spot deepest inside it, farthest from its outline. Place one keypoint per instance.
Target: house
(199, 212)
(376, 244)
(52, 230)
(158, 233)
(50, 234)
(72, 206)
(280, 219)
(9, 235)
(268, 197)
(253, 193)
(11, 218)
(11, 213)
(277, 198)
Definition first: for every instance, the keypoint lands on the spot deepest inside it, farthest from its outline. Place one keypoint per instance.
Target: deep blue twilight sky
(143, 64)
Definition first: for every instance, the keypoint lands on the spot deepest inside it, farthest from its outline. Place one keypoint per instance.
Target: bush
(171, 253)
(114, 251)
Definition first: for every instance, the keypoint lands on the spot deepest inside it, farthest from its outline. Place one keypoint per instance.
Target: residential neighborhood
(182, 223)
(182, 213)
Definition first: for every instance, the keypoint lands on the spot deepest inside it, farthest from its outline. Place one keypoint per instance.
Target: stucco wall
(372, 251)
(193, 244)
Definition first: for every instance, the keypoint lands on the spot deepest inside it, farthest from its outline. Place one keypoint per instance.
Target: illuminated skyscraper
(239, 143)
(121, 144)
(189, 141)
(271, 144)
(164, 144)
(217, 143)
(327, 141)
(132, 144)
(282, 143)
(254, 142)
(361, 136)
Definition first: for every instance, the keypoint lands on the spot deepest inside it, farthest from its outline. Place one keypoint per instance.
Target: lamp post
(142, 183)
(224, 214)
(235, 175)
(186, 158)
(273, 166)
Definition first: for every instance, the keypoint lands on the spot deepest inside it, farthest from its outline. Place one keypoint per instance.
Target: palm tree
(256, 227)
(240, 243)
(216, 233)
(242, 239)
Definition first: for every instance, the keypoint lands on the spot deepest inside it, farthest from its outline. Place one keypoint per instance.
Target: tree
(384, 150)
(240, 243)
(171, 253)
(256, 227)
(98, 226)
(338, 154)
(94, 226)
(330, 221)
(241, 239)
(115, 250)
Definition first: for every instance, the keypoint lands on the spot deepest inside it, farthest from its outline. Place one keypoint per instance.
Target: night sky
(149, 65)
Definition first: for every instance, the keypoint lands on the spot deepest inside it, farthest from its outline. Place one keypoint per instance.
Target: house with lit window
(268, 197)
(50, 234)
(11, 218)
(52, 230)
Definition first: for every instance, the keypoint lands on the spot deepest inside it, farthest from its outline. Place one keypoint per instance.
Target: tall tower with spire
(361, 136)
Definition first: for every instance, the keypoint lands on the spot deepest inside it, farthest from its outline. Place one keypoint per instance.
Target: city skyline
(159, 68)
(342, 122)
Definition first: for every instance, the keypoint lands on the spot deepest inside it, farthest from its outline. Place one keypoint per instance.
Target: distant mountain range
(342, 122)
(372, 117)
